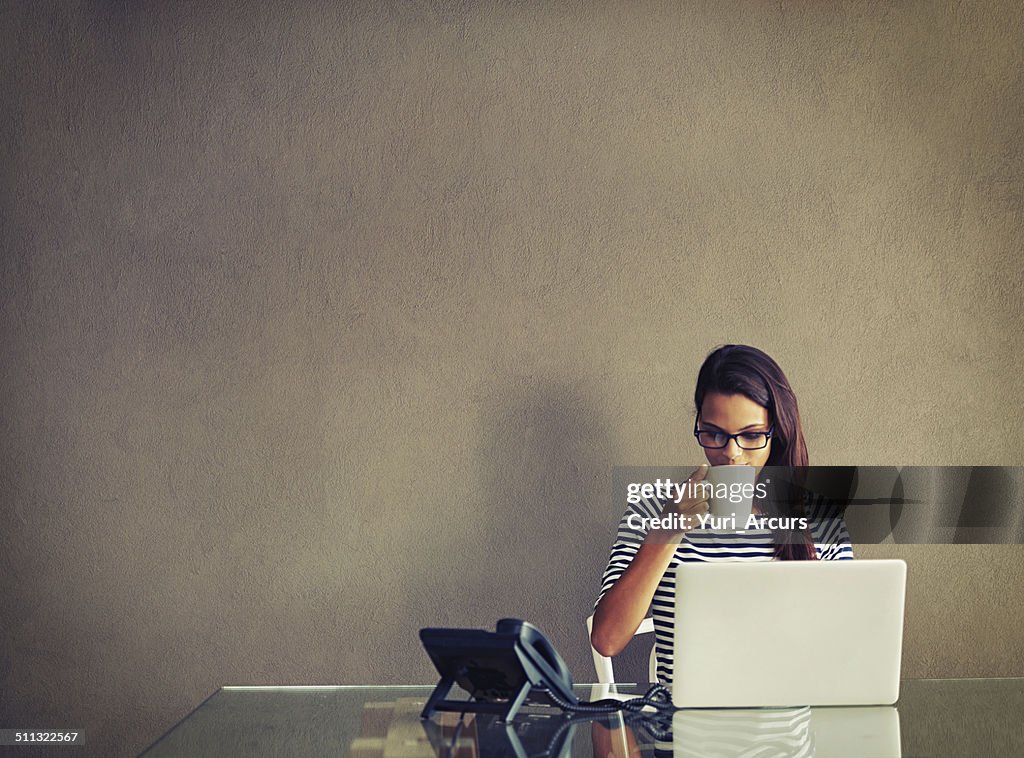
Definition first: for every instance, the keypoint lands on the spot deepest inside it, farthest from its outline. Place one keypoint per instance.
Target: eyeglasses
(745, 440)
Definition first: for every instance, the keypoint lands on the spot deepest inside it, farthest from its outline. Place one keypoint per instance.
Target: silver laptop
(788, 633)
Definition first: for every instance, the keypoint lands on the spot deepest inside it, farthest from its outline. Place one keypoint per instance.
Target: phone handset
(538, 651)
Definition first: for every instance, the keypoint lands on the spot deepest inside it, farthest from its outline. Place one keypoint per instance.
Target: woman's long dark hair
(747, 371)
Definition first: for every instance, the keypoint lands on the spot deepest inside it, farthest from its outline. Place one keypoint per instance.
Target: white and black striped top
(832, 542)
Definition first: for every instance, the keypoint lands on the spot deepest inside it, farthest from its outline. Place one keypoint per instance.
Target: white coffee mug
(733, 494)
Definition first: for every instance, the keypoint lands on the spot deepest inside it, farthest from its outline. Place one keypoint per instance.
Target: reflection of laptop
(788, 633)
(821, 732)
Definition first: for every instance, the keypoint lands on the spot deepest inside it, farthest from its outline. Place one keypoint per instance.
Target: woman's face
(733, 414)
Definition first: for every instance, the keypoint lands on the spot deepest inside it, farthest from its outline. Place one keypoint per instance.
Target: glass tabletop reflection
(936, 717)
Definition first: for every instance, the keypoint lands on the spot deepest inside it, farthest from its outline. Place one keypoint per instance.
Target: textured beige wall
(324, 324)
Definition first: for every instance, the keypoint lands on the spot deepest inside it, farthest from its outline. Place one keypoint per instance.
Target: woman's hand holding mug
(677, 518)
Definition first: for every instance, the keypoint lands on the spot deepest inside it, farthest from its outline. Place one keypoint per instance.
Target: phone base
(507, 710)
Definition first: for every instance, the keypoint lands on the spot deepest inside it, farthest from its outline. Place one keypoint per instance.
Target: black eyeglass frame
(697, 432)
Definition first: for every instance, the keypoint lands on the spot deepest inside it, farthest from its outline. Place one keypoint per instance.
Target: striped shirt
(832, 542)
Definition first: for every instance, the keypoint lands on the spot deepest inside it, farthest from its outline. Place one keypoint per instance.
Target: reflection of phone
(487, 735)
(498, 669)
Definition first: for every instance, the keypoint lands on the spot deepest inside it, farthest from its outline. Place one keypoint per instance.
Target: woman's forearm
(625, 604)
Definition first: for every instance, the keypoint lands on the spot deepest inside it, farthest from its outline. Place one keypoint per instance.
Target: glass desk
(934, 717)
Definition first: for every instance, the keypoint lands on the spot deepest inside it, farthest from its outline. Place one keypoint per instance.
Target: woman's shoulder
(636, 520)
(818, 507)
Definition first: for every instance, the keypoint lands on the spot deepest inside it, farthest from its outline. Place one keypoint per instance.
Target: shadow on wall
(535, 540)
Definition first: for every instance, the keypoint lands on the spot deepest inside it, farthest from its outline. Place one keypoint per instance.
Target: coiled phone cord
(657, 697)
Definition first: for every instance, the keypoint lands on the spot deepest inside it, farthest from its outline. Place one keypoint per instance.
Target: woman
(746, 415)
